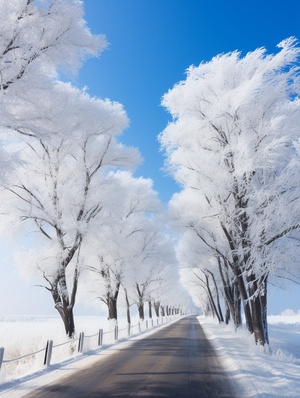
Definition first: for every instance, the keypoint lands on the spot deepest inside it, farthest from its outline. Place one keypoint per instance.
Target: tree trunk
(141, 311)
(63, 304)
(257, 317)
(257, 310)
(232, 296)
(237, 305)
(141, 301)
(218, 297)
(237, 312)
(150, 308)
(141, 295)
(238, 272)
(156, 308)
(127, 307)
(211, 299)
(264, 311)
(67, 317)
(227, 312)
(112, 299)
(112, 307)
(245, 298)
(211, 309)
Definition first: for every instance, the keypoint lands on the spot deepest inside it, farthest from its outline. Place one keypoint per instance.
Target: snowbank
(258, 372)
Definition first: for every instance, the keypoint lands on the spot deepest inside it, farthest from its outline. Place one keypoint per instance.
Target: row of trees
(68, 183)
(233, 146)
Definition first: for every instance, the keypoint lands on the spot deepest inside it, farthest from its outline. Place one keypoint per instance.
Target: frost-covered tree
(203, 251)
(116, 243)
(63, 190)
(38, 39)
(167, 294)
(232, 145)
(131, 250)
(202, 273)
(154, 256)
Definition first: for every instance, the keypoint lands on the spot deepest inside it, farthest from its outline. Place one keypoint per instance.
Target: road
(177, 361)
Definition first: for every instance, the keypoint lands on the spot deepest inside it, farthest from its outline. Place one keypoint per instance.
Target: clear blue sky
(152, 43)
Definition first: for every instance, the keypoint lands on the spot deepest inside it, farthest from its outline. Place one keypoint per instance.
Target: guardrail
(85, 342)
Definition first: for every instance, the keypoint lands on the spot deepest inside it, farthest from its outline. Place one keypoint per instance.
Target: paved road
(177, 361)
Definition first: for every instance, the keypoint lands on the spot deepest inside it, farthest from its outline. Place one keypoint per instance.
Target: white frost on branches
(233, 147)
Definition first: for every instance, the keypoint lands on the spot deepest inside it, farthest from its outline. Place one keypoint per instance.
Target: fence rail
(82, 346)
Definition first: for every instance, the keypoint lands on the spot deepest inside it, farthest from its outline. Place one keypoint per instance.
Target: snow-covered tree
(154, 256)
(116, 243)
(63, 190)
(38, 40)
(203, 250)
(40, 37)
(232, 145)
(132, 252)
(199, 270)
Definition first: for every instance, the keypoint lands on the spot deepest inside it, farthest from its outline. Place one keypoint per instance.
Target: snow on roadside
(258, 373)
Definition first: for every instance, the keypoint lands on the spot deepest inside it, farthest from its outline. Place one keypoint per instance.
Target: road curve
(177, 361)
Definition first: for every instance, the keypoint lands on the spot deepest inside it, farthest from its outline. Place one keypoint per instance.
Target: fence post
(116, 333)
(1, 355)
(80, 343)
(147, 324)
(48, 353)
(100, 337)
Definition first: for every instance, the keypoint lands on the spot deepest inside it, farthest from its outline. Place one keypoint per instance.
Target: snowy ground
(258, 374)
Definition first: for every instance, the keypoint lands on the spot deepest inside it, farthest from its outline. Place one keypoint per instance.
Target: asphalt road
(177, 361)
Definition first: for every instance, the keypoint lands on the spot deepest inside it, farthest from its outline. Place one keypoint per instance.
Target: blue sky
(152, 43)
